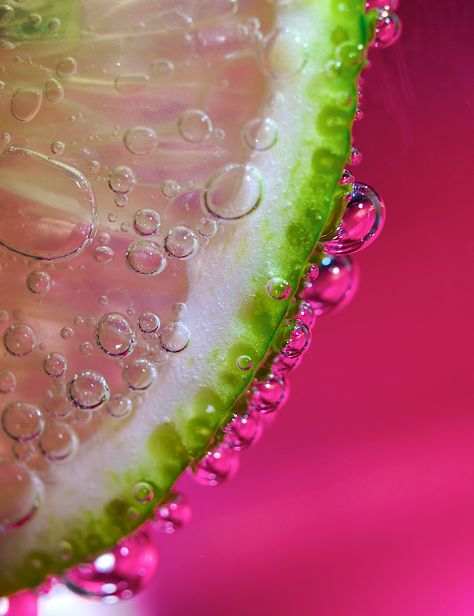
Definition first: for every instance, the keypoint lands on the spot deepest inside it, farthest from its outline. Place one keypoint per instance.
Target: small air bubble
(278, 288)
(58, 442)
(143, 492)
(146, 221)
(67, 67)
(114, 335)
(67, 332)
(22, 421)
(181, 242)
(146, 258)
(88, 390)
(122, 179)
(139, 374)
(140, 140)
(244, 362)
(119, 406)
(20, 339)
(103, 254)
(55, 365)
(194, 126)
(170, 189)
(149, 322)
(175, 337)
(7, 382)
(38, 282)
(260, 134)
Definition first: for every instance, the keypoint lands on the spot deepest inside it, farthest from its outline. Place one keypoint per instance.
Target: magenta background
(359, 500)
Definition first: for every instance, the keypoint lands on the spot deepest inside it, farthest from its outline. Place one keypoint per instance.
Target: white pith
(220, 282)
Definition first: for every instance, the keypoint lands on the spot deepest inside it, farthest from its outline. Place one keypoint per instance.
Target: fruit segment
(166, 170)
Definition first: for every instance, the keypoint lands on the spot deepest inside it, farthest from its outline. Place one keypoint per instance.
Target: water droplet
(389, 27)
(67, 332)
(267, 395)
(55, 365)
(361, 224)
(20, 495)
(22, 421)
(194, 125)
(334, 287)
(88, 390)
(207, 227)
(278, 288)
(147, 221)
(181, 242)
(114, 335)
(216, 466)
(294, 338)
(233, 192)
(139, 374)
(244, 362)
(119, 406)
(54, 91)
(140, 140)
(38, 282)
(170, 189)
(67, 67)
(20, 339)
(260, 134)
(161, 66)
(7, 382)
(131, 84)
(122, 179)
(283, 54)
(173, 514)
(103, 254)
(58, 147)
(26, 103)
(146, 257)
(119, 574)
(33, 224)
(143, 492)
(243, 431)
(175, 337)
(149, 322)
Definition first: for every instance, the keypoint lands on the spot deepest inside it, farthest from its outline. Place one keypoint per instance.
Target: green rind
(314, 178)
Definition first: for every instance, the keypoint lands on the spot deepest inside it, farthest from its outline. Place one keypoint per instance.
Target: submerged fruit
(159, 203)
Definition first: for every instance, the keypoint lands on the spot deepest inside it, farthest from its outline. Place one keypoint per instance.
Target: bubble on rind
(216, 466)
(88, 390)
(20, 339)
(173, 514)
(233, 192)
(114, 335)
(22, 421)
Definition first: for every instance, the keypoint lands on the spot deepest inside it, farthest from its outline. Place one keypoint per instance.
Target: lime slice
(167, 168)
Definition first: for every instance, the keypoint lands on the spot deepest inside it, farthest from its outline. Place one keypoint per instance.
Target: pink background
(359, 500)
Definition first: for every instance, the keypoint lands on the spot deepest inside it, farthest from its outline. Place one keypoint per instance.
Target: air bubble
(23, 452)
(103, 254)
(173, 514)
(207, 227)
(121, 199)
(114, 335)
(194, 126)
(389, 28)
(57, 148)
(88, 390)
(140, 140)
(233, 192)
(131, 84)
(181, 242)
(119, 406)
(143, 492)
(356, 156)
(267, 395)
(146, 221)
(67, 332)
(146, 257)
(38, 282)
(175, 337)
(170, 189)
(54, 25)
(35, 20)
(278, 288)
(26, 103)
(346, 178)
(55, 365)
(216, 466)
(139, 374)
(294, 338)
(22, 421)
(122, 179)
(119, 574)
(244, 363)
(67, 67)
(7, 382)
(58, 442)
(20, 495)
(283, 54)
(20, 339)
(149, 322)
(260, 134)
(54, 91)
(334, 287)
(161, 66)
(7, 13)
(243, 431)
(361, 224)
(56, 404)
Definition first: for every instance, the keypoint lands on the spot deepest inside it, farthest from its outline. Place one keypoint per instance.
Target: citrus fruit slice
(167, 168)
